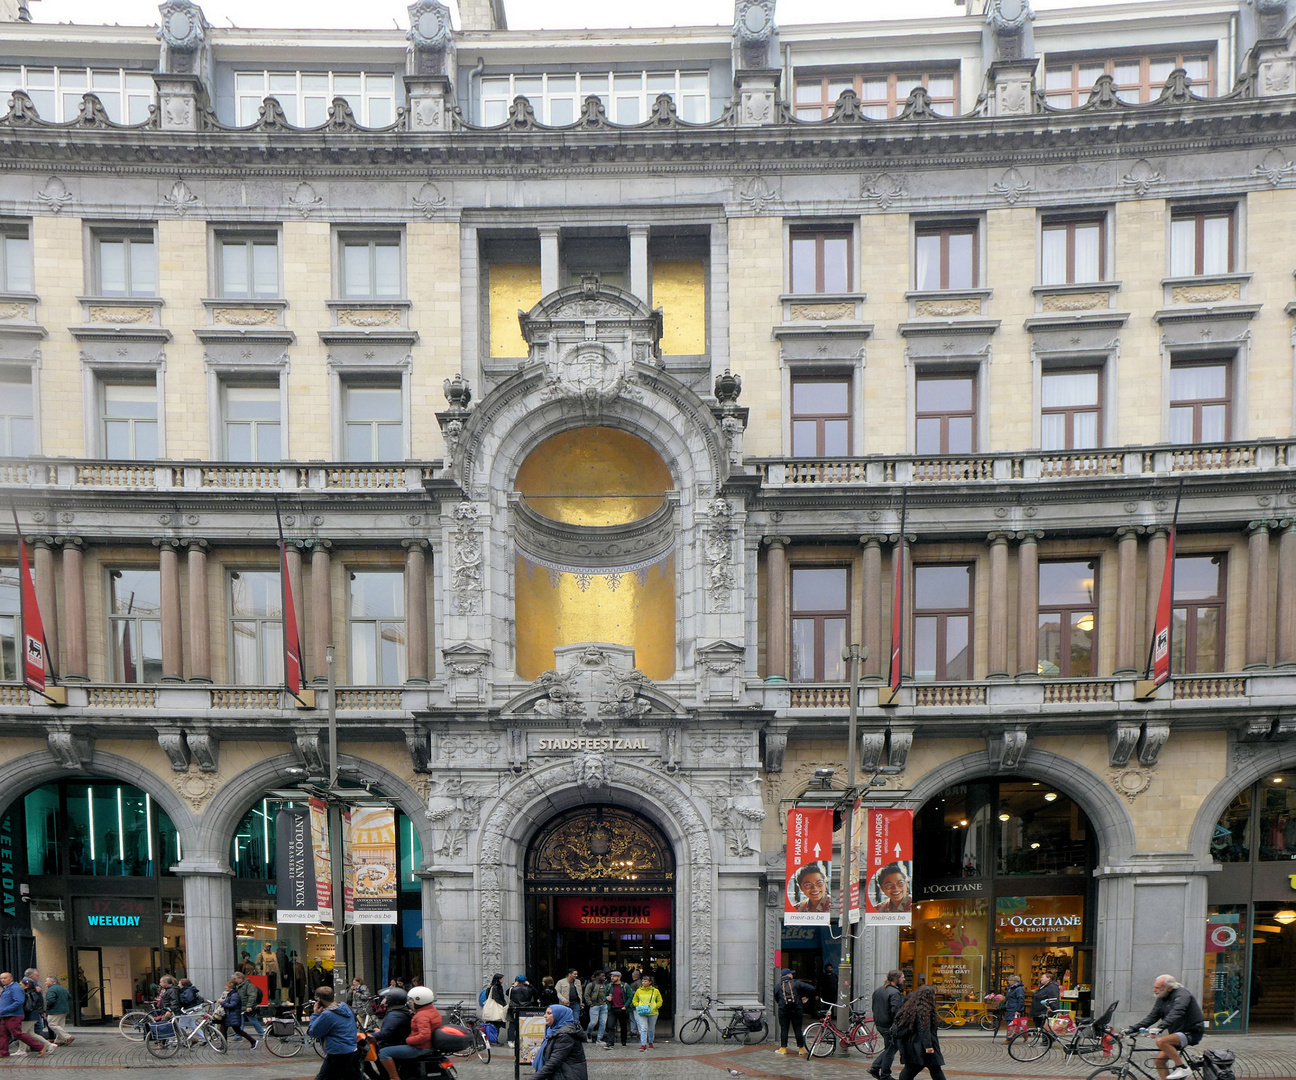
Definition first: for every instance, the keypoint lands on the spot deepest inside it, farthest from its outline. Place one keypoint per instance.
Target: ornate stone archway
(512, 821)
(1245, 769)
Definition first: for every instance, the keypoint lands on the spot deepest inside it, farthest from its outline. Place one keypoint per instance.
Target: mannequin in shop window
(268, 965)
(298, 980)
(316, 976)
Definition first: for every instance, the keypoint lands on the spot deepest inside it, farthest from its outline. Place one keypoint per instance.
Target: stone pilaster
(416, 610)
(185, 66)
(997, 651)
(1257, 611)
(872, 602)
(776, 621)
(199, 624)
(321, 608)
(1126, 600)
(639, 261)
(42, 549)
(1028, 605)
(1011, 86)
(209, 921)
(77, 662)
(1286, 630)
(169, 577)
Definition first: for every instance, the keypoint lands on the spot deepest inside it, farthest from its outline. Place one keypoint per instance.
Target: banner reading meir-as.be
(808, 898)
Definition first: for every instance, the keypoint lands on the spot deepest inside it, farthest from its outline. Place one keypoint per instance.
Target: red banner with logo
(1165, 609)
(888, 895)
(808, 898)
(32, 627)
(614, 913)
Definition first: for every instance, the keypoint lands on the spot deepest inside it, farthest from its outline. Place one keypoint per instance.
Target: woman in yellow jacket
(646, 1003)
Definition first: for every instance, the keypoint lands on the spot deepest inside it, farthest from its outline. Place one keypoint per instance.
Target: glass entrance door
(89, 982)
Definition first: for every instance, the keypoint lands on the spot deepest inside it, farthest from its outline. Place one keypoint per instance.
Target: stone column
(209, 921)
(172, 648)
(1257, 613)
(776, 623)
(997, 651)
(872, 667)
(416, 610)
(199, 626)
(1158, 539)
(1286, 654)
(47, 598)
(548, 260)
(1028, 605)
(639, 261)
(321, 608)
(77, 666)
(1126, 600)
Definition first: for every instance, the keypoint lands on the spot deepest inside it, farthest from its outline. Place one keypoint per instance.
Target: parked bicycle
(134, 1024)
(165, 1037)
(823, 1036)
(455, 1014)
(1129, 1068)
(1093, 1041)
(285, 1036)
(746, 1024)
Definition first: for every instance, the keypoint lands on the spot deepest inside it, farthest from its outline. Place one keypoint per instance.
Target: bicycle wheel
(215, 1038)
(1111, 1072)
(1099, 1049)
(747, 1037)
(480, 1046)
(820, 1040)
(988, 1021)
(863, 1037)
(1029, 1045)
(161, 1048)
(318, 1047)
(284, 1045)
(694, 1031)
(134, 1025)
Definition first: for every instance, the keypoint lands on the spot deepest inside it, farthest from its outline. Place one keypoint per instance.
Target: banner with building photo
(859, 856)
(323, 859)
(372, 867)
(888, 868)
(295, 896)
(808, 898)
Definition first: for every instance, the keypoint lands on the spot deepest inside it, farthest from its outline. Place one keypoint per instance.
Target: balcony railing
(1257, 456)
(70, 474)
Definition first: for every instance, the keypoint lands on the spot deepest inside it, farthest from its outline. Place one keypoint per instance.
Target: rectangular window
(130, 421)
(1068, 612)
(1201, 242)
(942, 623)
(821, 416)
(125, 264)
(820, 622)
(627, 96)
(821, 261)
(371, 267)
(15, 258)
(57, 91)
(1197, 644)
(377, 619)
(882, 94)
(1071, 409)
(251, 421)
(1068, 80)
(256, 628)
(1200, 402)
(307, 95)
(1072, 252)
(248, 266)
(945, 422)
(135, 625)
(10, 624)
(372, 426)
(17, 413)
(945, 257)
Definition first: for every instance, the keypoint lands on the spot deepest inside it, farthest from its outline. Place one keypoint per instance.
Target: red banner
(859, 854)
(808, 898)
(614, 913)
(1165, 609)
(292, 644)
(888, 897)
(32, 627)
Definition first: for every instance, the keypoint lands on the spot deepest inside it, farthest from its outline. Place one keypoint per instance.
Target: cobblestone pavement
(1269, 1056)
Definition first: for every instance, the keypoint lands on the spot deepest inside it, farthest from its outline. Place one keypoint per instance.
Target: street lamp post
(853, 654)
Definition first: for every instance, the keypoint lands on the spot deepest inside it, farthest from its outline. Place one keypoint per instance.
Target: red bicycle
(823, 1036)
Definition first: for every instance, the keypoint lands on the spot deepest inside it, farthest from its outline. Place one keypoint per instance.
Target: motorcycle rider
(396, 1018)
(425, 1020)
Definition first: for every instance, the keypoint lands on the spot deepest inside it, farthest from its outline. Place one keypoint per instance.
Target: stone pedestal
(756, 95)
(430, 102)
(1011, 87)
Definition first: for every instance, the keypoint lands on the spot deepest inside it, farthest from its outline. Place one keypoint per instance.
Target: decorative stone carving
(182, 27)
(205, 748)
(872, 750)
(22, 110)
(54, 196)
(454, 809)
(1275, 168)
(948, 309)
(196, 788)
(594, 684)
(757, 195)
(1142, 178)
(429, 198)
(720, 671)
(245, 316)
(592, 374)
(1131, 782)
(899, 743)
(671, 749)
(821, 312)
(733, 812)
(9, 312)
(591, 770)
(1007, 21)
(1008, 748)
(1064, 302)
(718, 550)
(1154, 737)
(181, 199)
(774, 750)
(753, 31)
(312, 752)
(918, 106)
(369, 318)
(1012, 186)
(466, 562)
(303, 199)
(120, 316)
(70, 750)
(1206, 294)
(728, 388)
(465, 669)
(1122, 740)
(173, 744)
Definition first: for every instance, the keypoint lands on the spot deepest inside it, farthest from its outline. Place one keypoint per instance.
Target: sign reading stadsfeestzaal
(583, 743)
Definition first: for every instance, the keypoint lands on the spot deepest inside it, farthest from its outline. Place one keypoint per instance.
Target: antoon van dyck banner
(807, 900)
(295, 895)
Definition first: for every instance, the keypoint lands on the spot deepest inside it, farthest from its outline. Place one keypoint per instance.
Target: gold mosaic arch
(600, 849)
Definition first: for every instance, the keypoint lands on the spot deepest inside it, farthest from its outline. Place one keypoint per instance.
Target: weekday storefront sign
(613, 913)
(295, 894)
(889, 868)
(371, 865)
(807, 899)
(322, 856)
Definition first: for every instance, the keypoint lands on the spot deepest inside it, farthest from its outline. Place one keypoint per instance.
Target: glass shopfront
(1251, 923)
(1002, 881)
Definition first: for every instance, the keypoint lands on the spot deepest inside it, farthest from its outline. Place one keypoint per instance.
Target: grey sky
(522, 14)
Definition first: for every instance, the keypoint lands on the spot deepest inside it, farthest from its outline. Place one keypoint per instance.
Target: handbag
(218, 1013)
(493, 1012)
(643, 1010)
(1018, 1024)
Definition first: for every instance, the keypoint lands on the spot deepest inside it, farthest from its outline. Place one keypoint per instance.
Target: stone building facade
(595, 380)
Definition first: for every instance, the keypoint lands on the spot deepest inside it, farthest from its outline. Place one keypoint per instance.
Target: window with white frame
(247, 265)
(1202, 241)
(135, 625)
(129, 421)
(370, 266)
(125, 263)
(372, 426)
(15, 258)
(256, 628)
(377, 621)
(57, 91)
(307, 95)
(251, 421)
(627, 96)
(17, 413)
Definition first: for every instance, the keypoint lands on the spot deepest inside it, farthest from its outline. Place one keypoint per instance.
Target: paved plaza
(967, 1055)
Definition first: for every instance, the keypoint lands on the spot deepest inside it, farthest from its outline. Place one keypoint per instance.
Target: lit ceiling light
(1005, 816)
(1051, 796)
(1035, 845)
(1286, 917)
(963, 822)
(1277, 779)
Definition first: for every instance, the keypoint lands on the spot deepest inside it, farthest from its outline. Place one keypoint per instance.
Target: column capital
(1000, 537)
(875, 541)
(1132, 532)
(549, 230)
(172, 542)
(78, 543)
(48, 541)
(196, 543)
(1261, 524)
(316, 543)
(1030, 536)
(638, 230)
(1287, 524)
(420, 543)
(777, 541)
(1157, 531)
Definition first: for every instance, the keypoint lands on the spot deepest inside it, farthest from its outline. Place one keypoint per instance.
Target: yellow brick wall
(433, 274)
(513, 287)
(308, 282)
(1140, 264)
(755, 282)
(182, 278)
(679, 289)
(1268, 256)
(1010, 272)
(59, 279)
(884, 248)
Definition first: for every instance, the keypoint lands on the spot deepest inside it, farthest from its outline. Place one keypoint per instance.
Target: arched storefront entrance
(107, 914)
(600, 893)
(1003, 885)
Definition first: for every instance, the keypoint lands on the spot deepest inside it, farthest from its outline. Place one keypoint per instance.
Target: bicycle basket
(1218, 1065)
(282, 1028)
(1062, 1024)
(162, 1029)
(753, 1019)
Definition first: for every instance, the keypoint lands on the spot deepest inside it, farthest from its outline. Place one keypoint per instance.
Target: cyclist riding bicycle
(1176, 1021)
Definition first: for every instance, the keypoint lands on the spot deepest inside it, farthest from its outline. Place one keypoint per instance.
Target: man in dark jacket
(618, 1002)
(562, 1055)
(792, 996)
(887, 1000)
(520, 996)
(396, 1021)
(1175, 1021)
(1046, 994)
(250, 994)
(334, 1025)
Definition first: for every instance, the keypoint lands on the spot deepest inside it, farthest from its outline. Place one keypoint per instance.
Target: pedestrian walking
(1013, 1004)
(618, 1001)
(13, 1000)
(250, 995)
(792, 996)
(887, 1000)
(596, 1002)
(562, 1054)
(233, 1018)
(334, 1025)
(33, 1006)
(647, 1003)
(915, 1029)
(58, 1003)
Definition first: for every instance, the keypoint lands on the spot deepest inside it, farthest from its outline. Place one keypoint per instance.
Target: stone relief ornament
(454, 810)
(592, 770)
(466, 562)
(303, 199)
(1012, 186)
(592, 374)
(717, 548)
(757, 195)
(181, 199)
(429, 199)
(182, 27)
(1131, 782)
(195, 787)
(593, 685)
(754, 21)
(22, 110)
(429, 25)
(1142, 177)
(54, 195)
(732, 818)
(882, 189)
(1275, 168)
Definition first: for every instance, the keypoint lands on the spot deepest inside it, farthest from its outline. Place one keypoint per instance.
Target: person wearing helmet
(396, 1017)
(426, 1019)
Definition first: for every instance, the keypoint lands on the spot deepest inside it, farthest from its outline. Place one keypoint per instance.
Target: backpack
(753, 1019)
(481, 998)
(787, 992)
(189, 997)
(1218, 1065)
(256, 996)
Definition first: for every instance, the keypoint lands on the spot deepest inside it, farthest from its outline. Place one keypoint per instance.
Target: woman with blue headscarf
(562, 1054)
